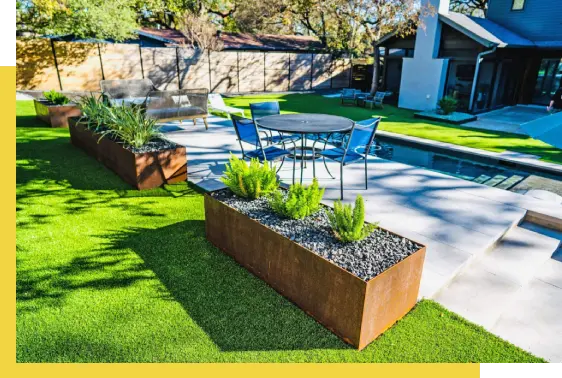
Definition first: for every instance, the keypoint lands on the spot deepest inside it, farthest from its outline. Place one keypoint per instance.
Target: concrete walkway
(459, 221)
(509, 119)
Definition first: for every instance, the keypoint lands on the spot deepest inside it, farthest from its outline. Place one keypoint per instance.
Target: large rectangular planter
(55, 115)
(142, 170)
(356, 310)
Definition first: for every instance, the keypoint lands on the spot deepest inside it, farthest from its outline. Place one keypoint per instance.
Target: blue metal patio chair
(262, 109)
(348, 95)
(247, 132)
(355, 148)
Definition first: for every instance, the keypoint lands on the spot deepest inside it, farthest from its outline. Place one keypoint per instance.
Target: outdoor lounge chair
(377, 100)
(247, 132)
(348, 95)
(216, 103)
(356, 148)
(169, 105)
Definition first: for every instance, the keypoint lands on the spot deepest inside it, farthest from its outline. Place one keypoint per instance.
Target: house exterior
(512, 56)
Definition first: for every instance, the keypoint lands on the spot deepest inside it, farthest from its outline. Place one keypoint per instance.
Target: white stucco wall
(423, 76)
(422, 83)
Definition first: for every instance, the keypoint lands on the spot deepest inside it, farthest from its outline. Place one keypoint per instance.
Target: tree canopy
(349, 26)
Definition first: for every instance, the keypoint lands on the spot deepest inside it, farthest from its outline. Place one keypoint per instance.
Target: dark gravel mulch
(153, 146)
(365, 259)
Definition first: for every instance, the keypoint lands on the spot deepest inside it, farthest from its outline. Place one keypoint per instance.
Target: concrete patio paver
(459, 221)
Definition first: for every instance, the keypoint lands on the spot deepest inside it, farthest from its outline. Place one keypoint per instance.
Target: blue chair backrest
(362, 135)
(262, 109)
(246, 130)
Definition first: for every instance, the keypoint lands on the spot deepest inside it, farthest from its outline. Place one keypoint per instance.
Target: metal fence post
(56, 62)
(101, 62)
(178, 68)
(140, 54)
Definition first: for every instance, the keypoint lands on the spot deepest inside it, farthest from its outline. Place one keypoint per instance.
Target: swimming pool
(482, 170)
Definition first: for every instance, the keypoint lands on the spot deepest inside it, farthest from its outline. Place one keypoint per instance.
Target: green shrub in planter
(56, 97)
(448, 104)
(94, 111)
(348, 223)
(300, 201)
(249, 180)
(130, 125)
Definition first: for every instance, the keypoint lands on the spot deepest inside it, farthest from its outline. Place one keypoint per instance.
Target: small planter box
(142, 170)
(356, 310)
(55, 115)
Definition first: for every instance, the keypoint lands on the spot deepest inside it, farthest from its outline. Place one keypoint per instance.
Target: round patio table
(305, 123)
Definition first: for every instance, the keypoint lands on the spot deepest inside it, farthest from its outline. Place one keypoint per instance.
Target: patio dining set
(272, 136)
(275, 136)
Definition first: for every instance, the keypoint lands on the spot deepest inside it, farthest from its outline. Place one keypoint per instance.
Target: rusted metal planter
(142, 170)
(55, 115)
(355, 310)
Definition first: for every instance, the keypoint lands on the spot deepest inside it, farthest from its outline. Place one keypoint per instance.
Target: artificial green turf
(106, 273)
(402, 121)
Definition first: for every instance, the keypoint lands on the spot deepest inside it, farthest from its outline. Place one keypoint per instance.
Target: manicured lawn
(402, 121)
(106, 273)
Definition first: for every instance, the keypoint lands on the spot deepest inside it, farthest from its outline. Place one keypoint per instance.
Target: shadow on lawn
(50, 157)
(236, 309)
(48, 164)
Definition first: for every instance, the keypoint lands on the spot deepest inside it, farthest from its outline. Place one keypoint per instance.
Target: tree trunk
(376, 69)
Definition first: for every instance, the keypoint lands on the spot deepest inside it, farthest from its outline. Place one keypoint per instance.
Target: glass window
(549, 78)
(517, 4)
(397, 52)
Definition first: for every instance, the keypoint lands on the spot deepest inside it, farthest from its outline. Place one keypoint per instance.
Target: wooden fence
(43, 64)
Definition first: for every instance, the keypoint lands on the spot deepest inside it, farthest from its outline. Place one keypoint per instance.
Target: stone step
(511, 181)
(481, 179)
(495, 180)
(488, 290)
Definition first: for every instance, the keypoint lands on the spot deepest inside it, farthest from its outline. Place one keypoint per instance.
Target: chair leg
(366, 181)
(302, 159)
(294, 166)
(313, 160)
(205, 122)
(326, 164)
(341, 180)
(282, 162)
(303, 152)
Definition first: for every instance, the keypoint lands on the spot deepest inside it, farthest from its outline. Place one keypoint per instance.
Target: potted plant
(129, 143)
(55, 109)
(447, 105)
(353, 277)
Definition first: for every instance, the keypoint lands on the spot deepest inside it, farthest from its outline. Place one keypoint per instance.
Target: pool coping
(539, 212)
(525, 160)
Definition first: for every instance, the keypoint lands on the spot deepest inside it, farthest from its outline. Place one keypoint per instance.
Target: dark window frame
(520, 9)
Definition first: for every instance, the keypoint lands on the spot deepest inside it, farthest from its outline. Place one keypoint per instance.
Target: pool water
(495, 176)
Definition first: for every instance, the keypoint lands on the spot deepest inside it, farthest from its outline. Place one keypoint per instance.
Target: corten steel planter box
(356, 310)
(55, 115)
(142, 170)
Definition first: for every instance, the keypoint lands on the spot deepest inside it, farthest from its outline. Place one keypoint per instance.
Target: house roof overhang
(484, 31)
(481, 30)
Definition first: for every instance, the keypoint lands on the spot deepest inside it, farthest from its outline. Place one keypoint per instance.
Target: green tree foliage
(103, 19)
(348, 223)
(249, 180)
(470, 7)
(300, 202)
